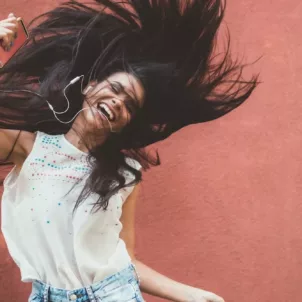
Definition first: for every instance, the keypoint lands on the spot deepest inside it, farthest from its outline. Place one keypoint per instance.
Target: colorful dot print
(55, 164)
(51, 140)
(51, 180)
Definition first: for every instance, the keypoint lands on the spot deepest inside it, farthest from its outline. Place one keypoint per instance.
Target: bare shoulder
(16, 145)
(27, 140)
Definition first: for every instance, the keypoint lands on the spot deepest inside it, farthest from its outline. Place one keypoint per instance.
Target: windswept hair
(169, 45)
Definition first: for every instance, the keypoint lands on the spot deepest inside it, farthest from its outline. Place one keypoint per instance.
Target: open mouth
(106, 111)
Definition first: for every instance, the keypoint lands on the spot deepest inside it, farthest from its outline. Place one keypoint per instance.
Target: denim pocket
(124, 293)
(34, 298)
(139, 297)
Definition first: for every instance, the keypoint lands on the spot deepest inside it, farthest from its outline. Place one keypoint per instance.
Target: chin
(94, 122)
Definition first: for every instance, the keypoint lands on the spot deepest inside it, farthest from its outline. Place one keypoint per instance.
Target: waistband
(86, 293)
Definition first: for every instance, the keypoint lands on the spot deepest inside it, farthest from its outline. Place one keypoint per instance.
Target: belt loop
(136, 273)
(45, 294)
(90, 294)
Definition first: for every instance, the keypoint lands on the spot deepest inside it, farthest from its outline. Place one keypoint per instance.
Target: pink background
(224, 211)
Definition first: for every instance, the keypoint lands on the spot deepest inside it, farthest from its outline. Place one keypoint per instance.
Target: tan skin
(8, 27)
(118, 102)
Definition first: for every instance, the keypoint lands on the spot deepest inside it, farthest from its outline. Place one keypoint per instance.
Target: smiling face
(113, 103)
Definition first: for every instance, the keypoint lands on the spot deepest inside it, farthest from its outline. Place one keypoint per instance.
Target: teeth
(107, 110)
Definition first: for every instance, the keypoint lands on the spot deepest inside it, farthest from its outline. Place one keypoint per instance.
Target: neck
(75, 137)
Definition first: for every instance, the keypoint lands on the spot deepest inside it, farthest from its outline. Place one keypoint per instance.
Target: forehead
(132, 85)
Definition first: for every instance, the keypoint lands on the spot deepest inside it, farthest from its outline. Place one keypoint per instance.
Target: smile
(106, 111)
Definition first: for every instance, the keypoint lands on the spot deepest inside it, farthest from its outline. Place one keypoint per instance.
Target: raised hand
(8, 31)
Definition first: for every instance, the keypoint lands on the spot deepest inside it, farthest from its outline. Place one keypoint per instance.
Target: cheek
(89, 114)
(90, 117)
(126, 117)
(123, 121)
(86, 108)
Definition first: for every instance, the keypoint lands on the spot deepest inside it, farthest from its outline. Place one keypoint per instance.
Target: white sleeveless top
(43, 238)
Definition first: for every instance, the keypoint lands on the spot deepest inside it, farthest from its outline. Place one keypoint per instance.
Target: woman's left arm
(152, 282)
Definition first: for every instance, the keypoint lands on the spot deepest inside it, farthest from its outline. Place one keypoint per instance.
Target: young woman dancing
(93, 86)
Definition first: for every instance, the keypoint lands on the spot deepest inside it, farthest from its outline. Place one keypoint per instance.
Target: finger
(11, 15)
(5, 42)
(6, 35)
(12, 27)
(214, 298)
(9, 25)
(5, 32)
(12, 20)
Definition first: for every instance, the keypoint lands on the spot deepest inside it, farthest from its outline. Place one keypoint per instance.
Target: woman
(93, 86)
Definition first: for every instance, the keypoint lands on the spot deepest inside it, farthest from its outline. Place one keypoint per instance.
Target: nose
(116, 103)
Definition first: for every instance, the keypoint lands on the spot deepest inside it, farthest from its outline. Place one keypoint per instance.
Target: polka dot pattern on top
(49, 241)
(55, 164)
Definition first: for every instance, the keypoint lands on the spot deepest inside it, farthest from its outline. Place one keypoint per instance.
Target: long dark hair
(168, 45)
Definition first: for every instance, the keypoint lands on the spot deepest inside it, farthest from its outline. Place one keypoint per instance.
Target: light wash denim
(120, 287)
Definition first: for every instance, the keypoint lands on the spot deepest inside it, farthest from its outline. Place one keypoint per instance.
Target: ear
(89, 87)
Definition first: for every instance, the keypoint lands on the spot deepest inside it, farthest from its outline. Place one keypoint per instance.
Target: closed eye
(118, 88)
(115, 87)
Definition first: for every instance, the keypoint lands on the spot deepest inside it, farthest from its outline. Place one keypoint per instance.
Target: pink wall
(224, 211)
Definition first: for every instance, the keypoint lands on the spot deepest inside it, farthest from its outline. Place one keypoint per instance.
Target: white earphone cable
(64, 92)
(68, 102)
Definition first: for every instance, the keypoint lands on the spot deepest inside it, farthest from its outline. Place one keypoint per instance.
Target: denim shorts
(120, 287)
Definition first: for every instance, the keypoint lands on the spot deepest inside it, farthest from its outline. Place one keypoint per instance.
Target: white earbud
(75, 79)
(84, 93)
(87, 89)
(64, 91)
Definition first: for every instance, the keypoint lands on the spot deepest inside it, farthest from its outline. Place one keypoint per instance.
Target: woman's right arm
(9, 146)
(15, 145)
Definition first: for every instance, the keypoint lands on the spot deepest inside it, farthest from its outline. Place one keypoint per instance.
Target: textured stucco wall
(224, 211)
